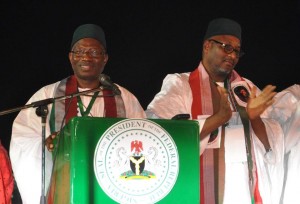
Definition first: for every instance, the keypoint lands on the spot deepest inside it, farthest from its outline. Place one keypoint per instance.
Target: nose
(234, 55)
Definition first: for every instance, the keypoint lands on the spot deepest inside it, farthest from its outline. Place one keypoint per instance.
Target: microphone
(105, 80)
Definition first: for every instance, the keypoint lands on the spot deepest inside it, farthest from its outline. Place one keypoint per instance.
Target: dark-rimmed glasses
(91, 52)
(229, 48)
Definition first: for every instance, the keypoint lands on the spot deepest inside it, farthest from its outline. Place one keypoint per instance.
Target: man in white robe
(224, 161)
(88, 58)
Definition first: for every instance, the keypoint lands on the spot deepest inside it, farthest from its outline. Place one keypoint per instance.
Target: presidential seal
(136, 161)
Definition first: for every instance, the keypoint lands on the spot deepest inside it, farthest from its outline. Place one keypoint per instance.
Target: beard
(223, 72)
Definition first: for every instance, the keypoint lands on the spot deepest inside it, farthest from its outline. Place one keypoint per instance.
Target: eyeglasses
(91, 52)
(229, 49)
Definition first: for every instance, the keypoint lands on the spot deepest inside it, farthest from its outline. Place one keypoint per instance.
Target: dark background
(146, 40)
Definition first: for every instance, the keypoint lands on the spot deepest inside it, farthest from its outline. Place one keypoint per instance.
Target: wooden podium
(118, 160)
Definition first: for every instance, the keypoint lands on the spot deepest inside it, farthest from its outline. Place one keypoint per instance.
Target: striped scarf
(63, 111)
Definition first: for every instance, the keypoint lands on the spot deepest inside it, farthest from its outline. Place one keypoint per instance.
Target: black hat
(89, 31)
(223, 26)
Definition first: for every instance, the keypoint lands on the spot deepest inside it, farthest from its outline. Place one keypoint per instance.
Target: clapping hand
(257, 104)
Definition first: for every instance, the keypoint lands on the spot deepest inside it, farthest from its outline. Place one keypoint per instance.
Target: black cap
(223, 26)
(89, 31)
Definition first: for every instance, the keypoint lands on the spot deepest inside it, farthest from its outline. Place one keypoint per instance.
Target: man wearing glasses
(88, 57)
(237, 145)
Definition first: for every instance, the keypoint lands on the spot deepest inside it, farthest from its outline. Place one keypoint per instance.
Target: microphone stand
(42, 111)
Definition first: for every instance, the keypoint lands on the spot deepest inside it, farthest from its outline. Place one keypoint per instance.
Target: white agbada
(286, 110)
(26, 140)
(176, 97)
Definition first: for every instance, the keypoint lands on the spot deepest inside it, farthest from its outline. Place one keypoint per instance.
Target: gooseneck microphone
(105, 80)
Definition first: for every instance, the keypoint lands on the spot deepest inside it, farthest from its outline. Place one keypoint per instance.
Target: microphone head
(105, 81)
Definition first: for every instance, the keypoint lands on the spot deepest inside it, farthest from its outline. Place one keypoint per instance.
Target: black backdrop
(146, 40)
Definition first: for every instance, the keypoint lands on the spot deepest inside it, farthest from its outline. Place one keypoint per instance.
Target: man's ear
(105, 58)
(70, 56)
(206, 45)
(71, 59)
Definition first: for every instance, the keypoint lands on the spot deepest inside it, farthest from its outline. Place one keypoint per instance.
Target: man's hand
(221, 117)
(257, 104)
(224, 112)
(49, 141)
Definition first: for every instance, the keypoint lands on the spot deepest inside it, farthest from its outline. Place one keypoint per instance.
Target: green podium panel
(118, 160)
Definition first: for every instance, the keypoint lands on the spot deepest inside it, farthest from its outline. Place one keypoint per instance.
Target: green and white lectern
(117, 160)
